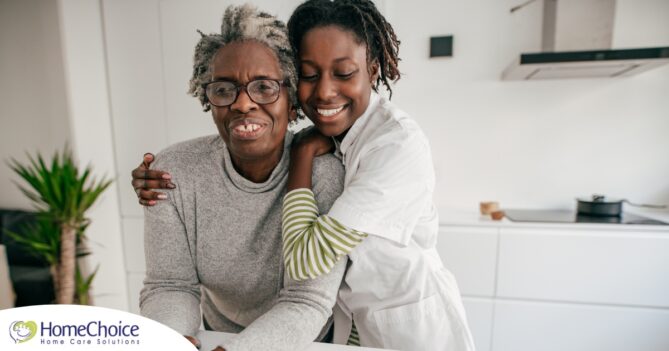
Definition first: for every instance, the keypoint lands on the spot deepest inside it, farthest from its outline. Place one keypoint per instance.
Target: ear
(373, 71)
(292, 114)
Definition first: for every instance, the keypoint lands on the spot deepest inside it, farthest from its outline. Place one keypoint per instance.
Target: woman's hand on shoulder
(310, 142)
(307, 144)
(193, 341)
(144, 180)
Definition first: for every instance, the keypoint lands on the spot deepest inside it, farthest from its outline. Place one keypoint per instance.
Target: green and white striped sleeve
(312, 244)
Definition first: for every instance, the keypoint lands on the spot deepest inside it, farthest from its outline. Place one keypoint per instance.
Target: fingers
(148, 203)
(193, 341)
(152, 184)
(142, 172)
(145, 164)
(148, 158)
(151, 195)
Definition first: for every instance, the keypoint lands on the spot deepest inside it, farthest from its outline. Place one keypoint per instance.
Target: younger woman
(396, 293)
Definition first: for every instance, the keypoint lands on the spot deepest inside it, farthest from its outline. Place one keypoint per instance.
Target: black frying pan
(599, 205)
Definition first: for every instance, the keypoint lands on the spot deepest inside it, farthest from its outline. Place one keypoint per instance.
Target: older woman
(217, 248)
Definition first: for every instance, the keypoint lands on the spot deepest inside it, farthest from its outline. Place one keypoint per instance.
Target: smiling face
(252, 132)
(335, 82)
(22, 331)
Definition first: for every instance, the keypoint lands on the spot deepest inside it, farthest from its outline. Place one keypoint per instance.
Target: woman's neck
(341, 136)
(257, 170)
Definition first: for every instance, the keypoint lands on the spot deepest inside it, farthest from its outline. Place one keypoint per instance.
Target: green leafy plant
(83, 285)
(61, 195)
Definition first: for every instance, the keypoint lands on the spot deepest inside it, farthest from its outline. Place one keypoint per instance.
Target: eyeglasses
(223, 93)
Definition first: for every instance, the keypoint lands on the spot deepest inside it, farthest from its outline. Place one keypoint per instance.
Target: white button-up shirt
(396, 288)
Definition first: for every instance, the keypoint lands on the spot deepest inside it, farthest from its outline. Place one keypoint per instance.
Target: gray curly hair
(244, 22)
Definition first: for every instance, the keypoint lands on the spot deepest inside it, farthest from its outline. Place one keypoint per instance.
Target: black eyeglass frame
(239, 88)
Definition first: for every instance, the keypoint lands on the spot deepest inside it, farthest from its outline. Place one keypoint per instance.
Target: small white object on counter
(210, 339)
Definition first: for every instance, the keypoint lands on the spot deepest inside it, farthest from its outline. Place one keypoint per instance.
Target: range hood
(576, 43)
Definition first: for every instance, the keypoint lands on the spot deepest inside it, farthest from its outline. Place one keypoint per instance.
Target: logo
(21, 331)
(84, 328)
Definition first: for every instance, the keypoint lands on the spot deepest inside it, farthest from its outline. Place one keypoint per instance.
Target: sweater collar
(275, 179)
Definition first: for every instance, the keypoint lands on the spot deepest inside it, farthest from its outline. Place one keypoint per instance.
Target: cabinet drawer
(532, 326)
(479, 317)
(470, 253)
(625, 268)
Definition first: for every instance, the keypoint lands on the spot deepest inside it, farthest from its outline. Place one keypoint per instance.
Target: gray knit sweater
(215, 245)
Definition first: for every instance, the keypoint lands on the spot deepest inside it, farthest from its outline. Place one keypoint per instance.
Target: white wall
(54, 89)
(33, 111)
(86, 84)
(537, 143)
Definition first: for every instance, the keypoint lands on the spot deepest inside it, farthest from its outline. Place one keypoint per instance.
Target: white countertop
(459, 217)
(210, 340)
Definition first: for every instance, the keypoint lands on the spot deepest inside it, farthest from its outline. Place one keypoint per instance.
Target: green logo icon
(21, 331)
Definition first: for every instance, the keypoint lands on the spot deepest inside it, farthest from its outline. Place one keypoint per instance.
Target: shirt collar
(357, 126)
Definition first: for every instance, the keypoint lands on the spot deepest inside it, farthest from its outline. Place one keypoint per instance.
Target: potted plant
(61, 195)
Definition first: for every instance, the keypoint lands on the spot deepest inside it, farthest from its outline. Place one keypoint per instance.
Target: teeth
(328, 113)
(247, 128)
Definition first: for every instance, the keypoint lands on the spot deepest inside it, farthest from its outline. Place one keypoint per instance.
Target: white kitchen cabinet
(576, 287)
(470, 253)
(585, 266)
(480, 317)
(541, 326)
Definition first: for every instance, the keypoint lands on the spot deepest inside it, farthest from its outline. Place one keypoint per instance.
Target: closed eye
(345, 75)
(308, 77)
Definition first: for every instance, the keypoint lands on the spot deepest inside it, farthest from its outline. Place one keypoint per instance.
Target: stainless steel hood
(576, 43)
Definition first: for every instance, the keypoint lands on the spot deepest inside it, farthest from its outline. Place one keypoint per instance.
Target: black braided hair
(363, 19)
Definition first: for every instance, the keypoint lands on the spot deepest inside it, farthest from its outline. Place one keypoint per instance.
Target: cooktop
(566, 216)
